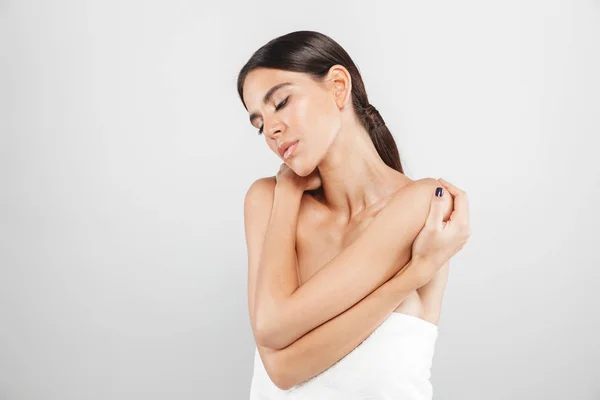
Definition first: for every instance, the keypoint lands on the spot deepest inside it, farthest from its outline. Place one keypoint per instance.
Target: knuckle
(434, 230)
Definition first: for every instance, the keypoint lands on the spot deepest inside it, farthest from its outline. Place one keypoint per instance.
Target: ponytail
(381, 136)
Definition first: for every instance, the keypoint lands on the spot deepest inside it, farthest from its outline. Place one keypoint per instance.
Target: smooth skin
(337, 241)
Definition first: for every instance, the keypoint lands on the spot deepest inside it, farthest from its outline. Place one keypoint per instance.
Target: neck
(353, 175)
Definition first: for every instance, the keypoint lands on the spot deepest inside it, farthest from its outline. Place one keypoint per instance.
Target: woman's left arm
(283, 310)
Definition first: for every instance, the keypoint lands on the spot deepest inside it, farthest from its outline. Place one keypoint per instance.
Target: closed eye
(277, 108)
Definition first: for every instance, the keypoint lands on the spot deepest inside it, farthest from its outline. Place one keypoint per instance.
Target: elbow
(281, 378)
(279, 372)
(268, 331)
(264, 333)
(284, 385)
(282, 381)
(267, 336)
(263, 337)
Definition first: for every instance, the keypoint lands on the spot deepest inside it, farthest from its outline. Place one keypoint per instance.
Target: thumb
(435, 219)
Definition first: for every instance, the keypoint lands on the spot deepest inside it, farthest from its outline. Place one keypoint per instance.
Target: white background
(125, 155)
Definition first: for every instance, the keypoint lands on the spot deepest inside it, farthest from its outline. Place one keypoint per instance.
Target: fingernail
(439, 192)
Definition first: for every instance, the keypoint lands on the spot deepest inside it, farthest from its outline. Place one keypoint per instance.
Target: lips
(284, 146)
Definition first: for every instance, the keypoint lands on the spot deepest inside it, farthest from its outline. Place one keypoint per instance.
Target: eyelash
(279, 107)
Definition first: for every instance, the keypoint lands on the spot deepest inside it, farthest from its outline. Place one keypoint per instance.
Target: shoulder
(258, 203)
(417, 192)
(261, 187)
(411, 203)
(260, 193)
(427, 189)
(424, 185)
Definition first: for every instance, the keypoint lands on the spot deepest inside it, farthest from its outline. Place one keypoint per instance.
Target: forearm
(372, 259)
(324, 346)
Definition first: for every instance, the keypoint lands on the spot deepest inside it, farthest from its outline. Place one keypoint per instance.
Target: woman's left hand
(441, 239)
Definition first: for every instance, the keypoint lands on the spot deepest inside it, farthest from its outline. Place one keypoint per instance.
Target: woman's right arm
(325, 345)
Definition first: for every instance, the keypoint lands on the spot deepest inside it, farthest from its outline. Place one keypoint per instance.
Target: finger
(462, 206)
(460, 213)
(451, 188)
(435, 218)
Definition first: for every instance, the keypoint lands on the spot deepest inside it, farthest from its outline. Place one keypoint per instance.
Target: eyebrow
(268, 96)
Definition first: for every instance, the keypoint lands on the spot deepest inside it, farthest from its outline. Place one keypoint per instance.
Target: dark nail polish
(439, 192)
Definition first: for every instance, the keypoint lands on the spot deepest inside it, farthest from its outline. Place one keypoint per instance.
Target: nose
(272, 128)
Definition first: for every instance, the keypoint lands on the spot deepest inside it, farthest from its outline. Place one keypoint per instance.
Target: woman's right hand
(439, 240)
(287, 175)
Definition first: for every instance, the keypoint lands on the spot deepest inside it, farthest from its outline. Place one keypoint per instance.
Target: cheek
(272, 144)
(325, 122)
(317, 119)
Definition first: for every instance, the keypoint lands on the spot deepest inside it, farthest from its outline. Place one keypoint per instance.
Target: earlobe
(341, 96)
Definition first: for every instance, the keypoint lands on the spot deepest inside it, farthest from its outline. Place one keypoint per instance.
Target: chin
(301, 169)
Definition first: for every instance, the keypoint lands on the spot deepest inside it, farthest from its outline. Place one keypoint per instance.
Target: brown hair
(314, 53)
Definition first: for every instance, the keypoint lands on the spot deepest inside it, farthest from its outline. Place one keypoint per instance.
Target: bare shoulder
(419, 187)
(259, 201)
(260, 190)
(261, 193)
(423, 186)
(416, 196)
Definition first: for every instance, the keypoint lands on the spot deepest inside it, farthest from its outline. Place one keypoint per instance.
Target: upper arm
(258, 204)
(432, 294)
(257, 209)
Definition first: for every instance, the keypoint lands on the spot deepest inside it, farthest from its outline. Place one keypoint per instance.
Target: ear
(339, 82)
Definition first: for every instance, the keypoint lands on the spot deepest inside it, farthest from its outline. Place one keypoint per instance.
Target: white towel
(394, 362)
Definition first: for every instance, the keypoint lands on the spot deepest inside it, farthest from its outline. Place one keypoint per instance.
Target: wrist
(287, 185)
(424, 267)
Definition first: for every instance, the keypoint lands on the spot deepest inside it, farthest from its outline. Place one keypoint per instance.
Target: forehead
(259, 81)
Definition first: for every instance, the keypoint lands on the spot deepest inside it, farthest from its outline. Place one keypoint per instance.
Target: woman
(347, 257)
